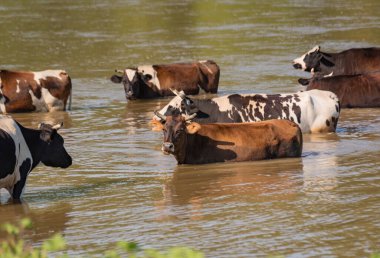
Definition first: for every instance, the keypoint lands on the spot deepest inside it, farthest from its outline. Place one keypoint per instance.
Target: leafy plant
(15, 247)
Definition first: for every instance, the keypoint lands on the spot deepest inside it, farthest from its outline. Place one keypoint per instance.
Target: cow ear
(116, 79)
(193, 127)
(157, 126)
(326, 62)
(57, 126)
(46, 132)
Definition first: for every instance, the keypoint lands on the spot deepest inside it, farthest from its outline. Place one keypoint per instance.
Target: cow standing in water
(349, 62)
(353, 91)
(314, 111)
(152, 81)
(22, 149)
(42, 91)
(207, 143)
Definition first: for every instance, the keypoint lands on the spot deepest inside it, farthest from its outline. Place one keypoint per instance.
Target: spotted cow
(349, 62)
(42, 91)
(353, 91)
(22, 149)
(207, 143)
(152, 81)
(314, 111)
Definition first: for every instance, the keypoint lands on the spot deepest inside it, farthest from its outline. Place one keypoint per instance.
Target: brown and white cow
(348, 62)
(353, 91)
(42, 91)
(207, 143)
(22, 149)
(152, 81)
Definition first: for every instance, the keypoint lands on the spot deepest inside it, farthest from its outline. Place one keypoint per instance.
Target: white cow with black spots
(22, 149)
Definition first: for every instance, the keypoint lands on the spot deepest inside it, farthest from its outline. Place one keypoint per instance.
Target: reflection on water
(47, 220)
(121, 187)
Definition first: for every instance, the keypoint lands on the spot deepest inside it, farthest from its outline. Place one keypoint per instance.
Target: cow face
(181, 104)
(313, 60)
(175, 130)
(133, 82)
(54, 153)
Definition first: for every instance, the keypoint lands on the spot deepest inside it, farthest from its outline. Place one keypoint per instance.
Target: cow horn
(191, 117)
(57, 126)
(119, 71)
(180, 94)
(162, 117)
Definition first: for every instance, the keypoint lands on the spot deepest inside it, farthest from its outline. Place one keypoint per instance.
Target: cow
(349, 62)
(208, 143)
(42, 91)
(353, 91)
(153, 81)
(314, 111)
(22, 149)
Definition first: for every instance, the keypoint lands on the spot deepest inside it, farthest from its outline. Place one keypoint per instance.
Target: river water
(121, 187)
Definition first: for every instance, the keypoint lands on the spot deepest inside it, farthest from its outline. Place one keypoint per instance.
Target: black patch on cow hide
(297, 111)
(7, 154)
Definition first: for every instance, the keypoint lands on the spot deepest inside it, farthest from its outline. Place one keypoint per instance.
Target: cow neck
(35, 144)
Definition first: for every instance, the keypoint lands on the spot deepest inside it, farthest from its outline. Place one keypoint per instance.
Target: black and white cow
(349, 62)
(153, 81)
(22, 149)
(314, 111)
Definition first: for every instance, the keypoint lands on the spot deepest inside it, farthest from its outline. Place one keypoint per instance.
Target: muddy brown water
(121, 187)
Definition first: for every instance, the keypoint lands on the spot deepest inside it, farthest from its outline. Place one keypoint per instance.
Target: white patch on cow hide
(223, 103)
(47, 102)
(2, 102)
(47, 73)
(18, 86)
(318, 106)
(130, 73)
(175, 102)
(148, 69)
(22, 152)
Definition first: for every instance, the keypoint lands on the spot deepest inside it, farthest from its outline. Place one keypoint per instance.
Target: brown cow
(42, 91)
(353, 91)
(152, 81)
(207, 143)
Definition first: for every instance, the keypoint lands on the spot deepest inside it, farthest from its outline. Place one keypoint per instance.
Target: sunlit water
(121, 187)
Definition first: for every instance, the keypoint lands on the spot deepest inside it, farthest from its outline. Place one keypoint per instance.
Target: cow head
(133, 82)
(180, 104)
(312, 60)
(175, 129)
(53, 153)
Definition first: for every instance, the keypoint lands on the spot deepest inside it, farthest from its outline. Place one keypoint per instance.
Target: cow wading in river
(22, 149)
(314, 111)
(42, 91)
(207, 143)
(152, 81)
(353, 91)
(349, 62)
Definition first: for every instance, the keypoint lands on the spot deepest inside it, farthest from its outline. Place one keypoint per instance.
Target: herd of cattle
(235, 127)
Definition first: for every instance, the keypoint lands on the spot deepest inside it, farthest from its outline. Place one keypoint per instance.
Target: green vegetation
(15, 247)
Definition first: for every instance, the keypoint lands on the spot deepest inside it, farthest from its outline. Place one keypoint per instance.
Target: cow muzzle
(167, 148)
(130, 95)
(297, 66)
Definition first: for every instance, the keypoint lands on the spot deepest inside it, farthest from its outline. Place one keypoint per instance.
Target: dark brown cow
(42, 91)
(207, 143)
(152, 81)
(353, 91)
(349, 62)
